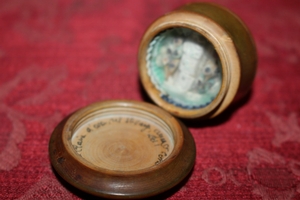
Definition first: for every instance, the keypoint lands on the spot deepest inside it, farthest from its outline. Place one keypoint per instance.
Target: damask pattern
(10, 154)
(57, 56)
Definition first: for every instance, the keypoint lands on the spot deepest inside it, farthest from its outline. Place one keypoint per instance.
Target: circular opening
(122, 139)
(185, 68)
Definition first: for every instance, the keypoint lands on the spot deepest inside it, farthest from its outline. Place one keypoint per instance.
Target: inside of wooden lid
(184, 66)
(122, 139)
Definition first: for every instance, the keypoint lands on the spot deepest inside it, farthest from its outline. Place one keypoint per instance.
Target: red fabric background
(58, 56)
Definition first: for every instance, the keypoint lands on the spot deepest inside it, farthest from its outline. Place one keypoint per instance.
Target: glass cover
(184, 67)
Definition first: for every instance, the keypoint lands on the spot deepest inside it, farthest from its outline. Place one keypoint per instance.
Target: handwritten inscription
(161, 157)
(154, 135)
(144, 126)
(103, 123)
(158, 139)
(78, 146)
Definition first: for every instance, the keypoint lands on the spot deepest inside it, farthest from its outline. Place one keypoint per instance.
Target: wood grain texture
(232, 41)
(135, 174)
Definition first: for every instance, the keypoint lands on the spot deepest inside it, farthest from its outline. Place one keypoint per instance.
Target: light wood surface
(123, 142)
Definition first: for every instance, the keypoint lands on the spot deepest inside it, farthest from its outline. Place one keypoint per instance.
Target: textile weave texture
(58, 56)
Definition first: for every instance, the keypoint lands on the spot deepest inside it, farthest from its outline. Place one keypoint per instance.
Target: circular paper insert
(184, 66)
(122, 140)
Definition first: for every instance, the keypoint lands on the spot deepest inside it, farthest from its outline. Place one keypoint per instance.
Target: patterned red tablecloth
(58, 56)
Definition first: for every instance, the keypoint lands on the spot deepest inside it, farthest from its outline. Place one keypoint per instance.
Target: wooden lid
(195, 61)
(122, 149)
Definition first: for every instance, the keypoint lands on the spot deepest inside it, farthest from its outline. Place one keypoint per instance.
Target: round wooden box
(194, 62)
(197, 60)
(122, 150)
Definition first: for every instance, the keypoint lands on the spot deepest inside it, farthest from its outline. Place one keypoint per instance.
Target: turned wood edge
(123, 185)
(232, 41)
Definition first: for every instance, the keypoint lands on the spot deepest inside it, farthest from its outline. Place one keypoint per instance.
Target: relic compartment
(185, 67)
